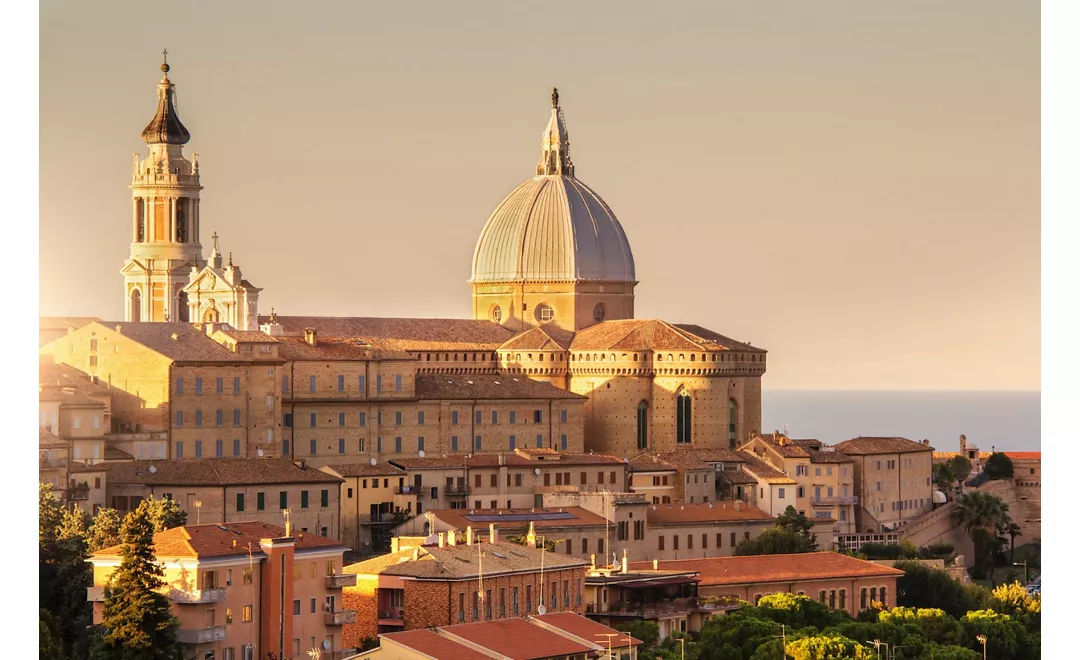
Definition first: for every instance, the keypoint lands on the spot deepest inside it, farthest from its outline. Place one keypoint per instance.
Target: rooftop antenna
(540, 609)
(480, 572)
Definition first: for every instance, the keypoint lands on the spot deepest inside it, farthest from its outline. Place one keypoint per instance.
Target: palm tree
(1013, 530)
(982, 515)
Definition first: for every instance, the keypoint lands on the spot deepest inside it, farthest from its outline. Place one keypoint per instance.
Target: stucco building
(893, 480)
(239, 589)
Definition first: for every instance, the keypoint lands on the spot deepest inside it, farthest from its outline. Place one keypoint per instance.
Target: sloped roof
(653, 334)
(690, 458)
(461, 561)
(64, 322)
(433, 645)
(404, 334)
(189, 345)
(648, 461)
(829, 457)
(248, 336)
(801, 567)
(584, 628)
(513, 519)
(764, 471)
(712, 512)
(517, 639)
(880, 445)
(784, 445)
(544, 338)
(487, 386)
(513, 459)
(335, 348)
(216, 471)
(365, 470)
(47, 438)
(229, 539)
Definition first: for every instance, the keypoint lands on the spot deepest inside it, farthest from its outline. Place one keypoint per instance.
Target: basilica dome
(553, 227)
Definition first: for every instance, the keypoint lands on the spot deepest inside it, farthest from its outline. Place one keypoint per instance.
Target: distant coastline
(1005, 420)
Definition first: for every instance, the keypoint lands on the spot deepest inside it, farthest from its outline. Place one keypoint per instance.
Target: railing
(340, 618)
(197, 596)
(79, 492)
(833, 500)
(406, 490)
(393, 614)
(339, 581)
(856, 541)
(457, 489)
(203, 636)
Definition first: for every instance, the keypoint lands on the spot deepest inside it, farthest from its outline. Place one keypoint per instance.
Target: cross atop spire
(215, 254)
(165, 61)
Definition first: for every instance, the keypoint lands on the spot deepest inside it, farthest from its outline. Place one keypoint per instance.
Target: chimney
(468, 535)
(530, 538)
(310, 336)
(442, 540)
(288, 528)
(451, 538)
(502, 459)
(624, 564)
(738, 505)
(395, 544)
(656, 564)
(592, 562)
(493, 532)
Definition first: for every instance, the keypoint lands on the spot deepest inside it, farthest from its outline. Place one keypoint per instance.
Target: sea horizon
(1006, 420)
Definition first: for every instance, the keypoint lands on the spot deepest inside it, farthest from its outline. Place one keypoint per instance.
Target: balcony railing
(394, 615)
(201, 636)
(197, 596)
(79, 492)
(340, 618)
(833, 501)
(95, 594)
(339, 581)
(406, 490)
(457, 490)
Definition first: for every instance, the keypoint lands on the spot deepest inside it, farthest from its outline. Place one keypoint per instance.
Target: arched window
(136, 305)
(682, 417)
(496, 314)
(693, 358)
(544, 313)
(642, 425)
(732, 423)
(182, 305)
(181, 220)
(140, 221)
(598, 312)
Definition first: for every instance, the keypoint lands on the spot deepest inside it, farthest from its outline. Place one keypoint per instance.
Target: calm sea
(1007, 421)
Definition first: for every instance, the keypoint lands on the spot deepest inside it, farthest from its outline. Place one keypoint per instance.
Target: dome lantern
(165, 127)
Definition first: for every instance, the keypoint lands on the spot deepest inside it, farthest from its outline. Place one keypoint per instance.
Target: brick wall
(361, 598)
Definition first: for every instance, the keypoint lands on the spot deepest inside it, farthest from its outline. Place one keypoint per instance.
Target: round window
(496, 314)
(598, 312)
(544, 313)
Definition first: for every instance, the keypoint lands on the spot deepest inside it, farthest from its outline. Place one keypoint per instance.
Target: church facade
(553, 323)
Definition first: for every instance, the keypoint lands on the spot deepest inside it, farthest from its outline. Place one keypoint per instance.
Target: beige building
(224, 490)
(244, 589)
(893, 481)
(374, 498)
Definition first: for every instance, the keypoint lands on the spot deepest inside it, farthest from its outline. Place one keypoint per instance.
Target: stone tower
(165, 218)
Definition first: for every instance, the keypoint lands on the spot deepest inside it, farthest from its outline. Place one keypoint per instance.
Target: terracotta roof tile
(516, 639)
(518, 519)
(584, 628)
(248, 336)
(216, 471)
(714, 512)
(212, 541)
(404, 334)
(764, 471)
(487, 386)
(457, 562)
(1023, 455)
(652, 334)
(335, 348)
(723, 571)
(47, 438)
(876, 445)
(189, 345)
(650, 462)
(701, 459)
(432, 645)
(544, 338)
(783, 445)
(363, 470)
(819, 456)
(509, 459)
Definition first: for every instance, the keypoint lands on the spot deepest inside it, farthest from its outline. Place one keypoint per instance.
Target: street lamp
(1024, 564)
(982, 638)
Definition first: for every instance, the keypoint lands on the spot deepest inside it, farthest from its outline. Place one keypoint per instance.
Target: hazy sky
(853, 186)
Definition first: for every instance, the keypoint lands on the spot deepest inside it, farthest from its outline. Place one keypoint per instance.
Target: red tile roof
(515, 459)
(433, 645)
(724, 571)
(363, 470)
(216, 472)
(231, 539)
(180, 342)
(461, 561)
(764, 471)
(404, 334)
(873, 445)
(546, 338)
(1024, 455)
(653, 334)
(488, 386)
(516, 639)
(585, 628)
(513, 519)
(336, 349)
(712, 512)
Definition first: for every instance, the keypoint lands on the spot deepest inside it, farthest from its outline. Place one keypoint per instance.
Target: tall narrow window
(136, 305)
(682, 422)
(732, 425)
(642, 425)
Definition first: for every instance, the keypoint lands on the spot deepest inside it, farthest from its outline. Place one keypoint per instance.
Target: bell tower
(165, 217)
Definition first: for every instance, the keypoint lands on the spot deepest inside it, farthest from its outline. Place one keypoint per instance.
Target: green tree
(793, 521)
(547, 545)
(1012, 530)
(944, 477)
(49, 645)
(821, 647)
(50, 515)
(104, 531)
(646, 631)
(736, 636)
(138, 623)
(165, 513)
(998, 466)
(777, 541)
(925, 587)
(982, 515)
(796, 611)
(1005, 637)
(63, 574)
(960, 468)
(951, 652)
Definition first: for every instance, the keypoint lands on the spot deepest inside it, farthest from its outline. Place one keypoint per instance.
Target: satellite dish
(152, 469)
(373, 461)
(260, 453)
(541, 610)
(326, 643)
(537, 473)
(421, 453)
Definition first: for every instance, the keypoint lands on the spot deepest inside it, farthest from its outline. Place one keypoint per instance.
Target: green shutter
(325, 499)
(239, 501)
(260, 504)
(284, 500)
(303, 500)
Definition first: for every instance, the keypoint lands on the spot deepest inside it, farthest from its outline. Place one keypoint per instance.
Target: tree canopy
(791, 535)
(998, 466)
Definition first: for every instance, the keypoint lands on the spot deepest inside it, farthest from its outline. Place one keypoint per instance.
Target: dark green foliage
(164, 513)
(648, 633)
(522, 540)
(49, 644)
(903, 550)
(138, 623)
(63, 576)
(998, 466)
(104, 531)
(959, 467)
(777, 541)
(925, 587)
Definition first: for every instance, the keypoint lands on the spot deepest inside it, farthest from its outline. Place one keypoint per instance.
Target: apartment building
(374, 498)
(561, 636)
(460, 578)
(242, 590)
(225, 490)
(841, 582)
(892, 479)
